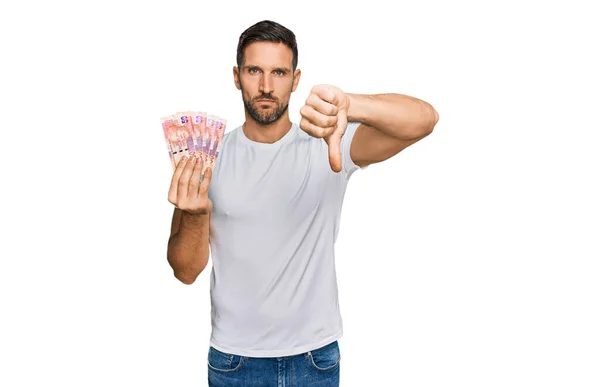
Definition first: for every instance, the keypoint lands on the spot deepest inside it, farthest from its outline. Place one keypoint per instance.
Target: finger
(342, 124)
(326, 93)
(205, 184)
(318, 118)
(195, 179)
(184, 180)
(315, 130)
(175, 180)
(321, 105)
(335, 141)
(335, 155)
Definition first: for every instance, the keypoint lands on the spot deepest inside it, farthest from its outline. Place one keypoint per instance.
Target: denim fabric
(317, 368)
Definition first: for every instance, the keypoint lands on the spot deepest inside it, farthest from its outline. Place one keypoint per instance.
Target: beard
(264, 116)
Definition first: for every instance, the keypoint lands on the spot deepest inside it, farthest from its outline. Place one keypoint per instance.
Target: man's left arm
(388, 124)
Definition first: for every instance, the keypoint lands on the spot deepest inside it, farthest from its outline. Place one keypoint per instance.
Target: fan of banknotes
(193, 133)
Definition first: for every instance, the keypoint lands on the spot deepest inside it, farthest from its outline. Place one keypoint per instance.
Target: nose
(266, 84)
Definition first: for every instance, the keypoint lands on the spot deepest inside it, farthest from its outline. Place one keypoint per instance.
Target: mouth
(265, 100)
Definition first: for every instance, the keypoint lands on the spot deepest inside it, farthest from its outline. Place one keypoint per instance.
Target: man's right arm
(188, 247)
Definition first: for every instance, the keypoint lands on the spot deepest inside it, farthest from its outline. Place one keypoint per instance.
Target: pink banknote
(219, 132)
(199, 129)
(185, 128)
(215, 131)
(194, 133)
(177, 129)
(173, 138)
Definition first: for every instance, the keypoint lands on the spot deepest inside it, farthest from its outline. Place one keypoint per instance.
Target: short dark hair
(267, 31)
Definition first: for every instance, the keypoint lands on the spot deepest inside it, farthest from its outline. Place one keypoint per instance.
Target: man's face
(266, 80)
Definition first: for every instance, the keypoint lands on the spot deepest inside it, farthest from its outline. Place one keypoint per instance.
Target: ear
(236, 77)
(297, 74)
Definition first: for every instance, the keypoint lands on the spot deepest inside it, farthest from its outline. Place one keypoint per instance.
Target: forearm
(188, 247)
(396, 115)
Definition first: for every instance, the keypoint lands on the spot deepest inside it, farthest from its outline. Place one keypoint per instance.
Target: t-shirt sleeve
(348, 166)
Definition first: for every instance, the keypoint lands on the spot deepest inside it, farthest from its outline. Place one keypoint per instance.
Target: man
(270, 212)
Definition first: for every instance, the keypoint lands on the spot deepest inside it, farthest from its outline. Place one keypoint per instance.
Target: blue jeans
(317, 368)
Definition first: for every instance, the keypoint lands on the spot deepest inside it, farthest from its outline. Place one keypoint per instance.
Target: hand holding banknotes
(194, 140)
(187, 192)
(325, 115)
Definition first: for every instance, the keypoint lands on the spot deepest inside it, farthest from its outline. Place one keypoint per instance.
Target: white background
(469, 259)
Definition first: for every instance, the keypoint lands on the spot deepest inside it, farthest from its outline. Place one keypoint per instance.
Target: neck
(270, 133)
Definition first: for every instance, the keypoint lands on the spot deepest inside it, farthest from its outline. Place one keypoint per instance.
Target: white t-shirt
(276, 215)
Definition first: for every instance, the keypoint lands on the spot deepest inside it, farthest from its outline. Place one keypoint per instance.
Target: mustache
(265, 96)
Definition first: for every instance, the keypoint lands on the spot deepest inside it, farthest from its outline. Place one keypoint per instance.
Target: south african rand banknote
(193, 133)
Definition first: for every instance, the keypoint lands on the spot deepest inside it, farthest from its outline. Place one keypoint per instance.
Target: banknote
(214, 135)
(199, 129)
(185, 130)
(194, 133)
(211, 125)
(219, 132)
(172, 138)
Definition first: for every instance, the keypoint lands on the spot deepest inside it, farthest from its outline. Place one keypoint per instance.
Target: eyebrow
(283, 69)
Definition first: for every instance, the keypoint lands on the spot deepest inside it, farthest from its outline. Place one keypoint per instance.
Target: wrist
(191, 220)
(356, 107)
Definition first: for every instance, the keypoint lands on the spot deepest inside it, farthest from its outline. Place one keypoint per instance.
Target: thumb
(335, 156)
(334, 141)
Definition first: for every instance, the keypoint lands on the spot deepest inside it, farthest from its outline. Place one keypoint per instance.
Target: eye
(279, 72)
(253, 70)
